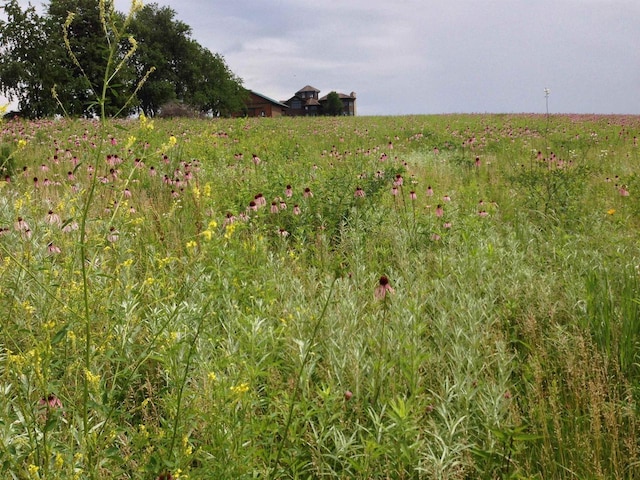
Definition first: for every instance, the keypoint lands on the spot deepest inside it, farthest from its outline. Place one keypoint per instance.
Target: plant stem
(296, 389)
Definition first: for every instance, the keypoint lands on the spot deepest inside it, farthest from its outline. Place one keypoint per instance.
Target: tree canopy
(37, 70)
(334, 104)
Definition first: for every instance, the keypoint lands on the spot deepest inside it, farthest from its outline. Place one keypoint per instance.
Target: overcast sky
(430, 56)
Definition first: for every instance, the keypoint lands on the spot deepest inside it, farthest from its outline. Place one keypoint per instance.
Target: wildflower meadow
(420, 297)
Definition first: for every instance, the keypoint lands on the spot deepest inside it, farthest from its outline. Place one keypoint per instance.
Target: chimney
(353, 94)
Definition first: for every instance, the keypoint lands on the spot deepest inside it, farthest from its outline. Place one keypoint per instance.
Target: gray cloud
(431, 56)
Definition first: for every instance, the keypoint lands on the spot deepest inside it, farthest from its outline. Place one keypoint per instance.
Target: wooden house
(259, 105)
(305, 102)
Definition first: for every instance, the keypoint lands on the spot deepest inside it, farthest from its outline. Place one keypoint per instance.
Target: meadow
(419, 297)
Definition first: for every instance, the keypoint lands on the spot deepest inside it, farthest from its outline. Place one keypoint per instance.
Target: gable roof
(308, 88)
(271, 100)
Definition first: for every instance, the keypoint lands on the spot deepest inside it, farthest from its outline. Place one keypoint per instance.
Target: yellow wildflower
(207, 234)
(92, 379)
(228, 231)
(33, 470)
(611, 211)
(240, 389)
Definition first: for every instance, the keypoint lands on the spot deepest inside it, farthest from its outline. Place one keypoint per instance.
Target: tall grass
(226, 341)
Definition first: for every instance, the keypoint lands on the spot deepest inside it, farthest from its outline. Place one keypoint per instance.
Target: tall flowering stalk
(113, 36)
(382, 293)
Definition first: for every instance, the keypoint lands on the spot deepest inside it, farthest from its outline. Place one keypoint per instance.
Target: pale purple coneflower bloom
(307, 193)
(229, 219)
(439, 211)
(21, 225)
(383, 288)
(288, 192)
(429, 191)
(113, 235)
(359, 193)
(50, 402)
(53, 218)
(296, 210)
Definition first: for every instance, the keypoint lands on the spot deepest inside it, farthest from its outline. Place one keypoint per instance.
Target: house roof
(271, 100)
(308, 88)
(341, 95)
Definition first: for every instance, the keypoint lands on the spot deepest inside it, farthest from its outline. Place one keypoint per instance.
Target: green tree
(79, 83)
(184, 70)
(163, 43)
(334, 104)
(27, 63)
(35, 60)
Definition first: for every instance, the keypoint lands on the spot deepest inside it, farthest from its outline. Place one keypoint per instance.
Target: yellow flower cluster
(240, 388)
(228, 231)
(145, 124)
(92, 379)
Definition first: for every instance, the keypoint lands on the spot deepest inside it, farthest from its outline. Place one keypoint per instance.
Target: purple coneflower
(113, 235)
(274, 207)
(439, 211)
(53, 249)
(288, 192)
(429, 191)
(412, 195)
(359, 193)
(21, 225)
(50, 402)
(52, 218)
(383, 288)
(229, 219)
(307, 193)
(296, 209)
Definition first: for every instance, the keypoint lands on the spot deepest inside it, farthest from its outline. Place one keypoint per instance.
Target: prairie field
(417, 297)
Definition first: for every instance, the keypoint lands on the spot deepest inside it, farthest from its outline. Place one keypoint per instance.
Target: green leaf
(58, 337)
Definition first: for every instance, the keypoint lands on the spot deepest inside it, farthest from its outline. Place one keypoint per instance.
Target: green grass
(146, 335)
